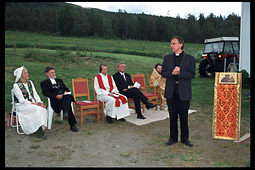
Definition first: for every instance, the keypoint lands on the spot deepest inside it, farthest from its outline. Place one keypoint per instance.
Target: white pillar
(245, 38)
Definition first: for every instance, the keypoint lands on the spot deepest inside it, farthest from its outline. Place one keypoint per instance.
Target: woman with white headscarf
(31, 110)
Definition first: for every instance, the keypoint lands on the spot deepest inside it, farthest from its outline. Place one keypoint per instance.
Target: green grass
(71, 63)
(16, 39)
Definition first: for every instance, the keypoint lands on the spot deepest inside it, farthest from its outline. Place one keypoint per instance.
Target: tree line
(59, 18)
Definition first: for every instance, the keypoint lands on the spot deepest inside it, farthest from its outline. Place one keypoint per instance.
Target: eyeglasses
(174, 43)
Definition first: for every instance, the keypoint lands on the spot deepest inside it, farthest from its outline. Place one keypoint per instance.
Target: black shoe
(122, 119)
(40, 132)
(171, 142)
(74, 128)
(140, 116)
(187, 142)
(150, 105)
(109, 119)
(65, 116)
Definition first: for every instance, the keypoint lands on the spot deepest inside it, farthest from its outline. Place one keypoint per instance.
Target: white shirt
(53, 81)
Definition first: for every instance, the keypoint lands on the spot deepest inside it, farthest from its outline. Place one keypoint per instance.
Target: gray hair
(121, 63)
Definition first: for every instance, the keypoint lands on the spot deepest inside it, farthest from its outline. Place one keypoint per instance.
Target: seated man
(125, 86)
(106, 90)
(55, 89)
(157, 80)
(31, 112)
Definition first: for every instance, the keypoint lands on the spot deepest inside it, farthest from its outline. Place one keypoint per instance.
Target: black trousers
(65, 104)
(137, 96)
(178, 107)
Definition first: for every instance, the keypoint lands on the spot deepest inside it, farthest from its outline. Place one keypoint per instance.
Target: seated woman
(31, 110)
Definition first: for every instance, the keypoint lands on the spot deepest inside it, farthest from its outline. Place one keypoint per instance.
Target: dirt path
(123, 144)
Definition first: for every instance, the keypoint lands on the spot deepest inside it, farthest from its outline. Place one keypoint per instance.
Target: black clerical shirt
(177, 62)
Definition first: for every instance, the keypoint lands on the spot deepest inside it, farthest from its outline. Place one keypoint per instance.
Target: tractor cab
(220, 55)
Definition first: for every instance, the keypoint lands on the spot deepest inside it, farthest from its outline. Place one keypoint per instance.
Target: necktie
(123, 74)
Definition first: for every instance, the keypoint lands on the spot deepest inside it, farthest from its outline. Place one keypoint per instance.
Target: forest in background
(63, 19)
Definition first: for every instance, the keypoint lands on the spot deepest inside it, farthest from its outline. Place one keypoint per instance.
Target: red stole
(101, 85)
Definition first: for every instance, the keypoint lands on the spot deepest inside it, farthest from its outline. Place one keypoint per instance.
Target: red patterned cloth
(227, 107)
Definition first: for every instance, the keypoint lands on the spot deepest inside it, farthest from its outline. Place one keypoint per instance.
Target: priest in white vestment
(31, 111)
(116, 104)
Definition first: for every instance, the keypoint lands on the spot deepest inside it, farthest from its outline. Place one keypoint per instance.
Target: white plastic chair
(50, 114)
(14, 110)
(51, 111)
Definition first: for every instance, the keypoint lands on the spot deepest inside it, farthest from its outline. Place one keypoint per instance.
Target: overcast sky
(171, 9)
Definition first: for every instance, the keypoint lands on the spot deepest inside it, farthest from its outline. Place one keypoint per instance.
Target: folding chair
(152, 95)
(14, 114)
(81, 89)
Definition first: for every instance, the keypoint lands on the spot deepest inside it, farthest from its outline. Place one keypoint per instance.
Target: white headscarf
(18, 73)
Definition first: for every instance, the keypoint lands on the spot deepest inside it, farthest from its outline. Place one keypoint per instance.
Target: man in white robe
(31, 111)
(116, 104)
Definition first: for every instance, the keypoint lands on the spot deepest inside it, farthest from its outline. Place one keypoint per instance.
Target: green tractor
(220, 55)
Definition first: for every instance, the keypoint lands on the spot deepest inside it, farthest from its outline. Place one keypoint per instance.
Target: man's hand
(110, 94)
(59, 97)
(41, 104)
(176, 71)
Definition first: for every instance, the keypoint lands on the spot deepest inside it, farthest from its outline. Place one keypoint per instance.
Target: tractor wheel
(206, 69)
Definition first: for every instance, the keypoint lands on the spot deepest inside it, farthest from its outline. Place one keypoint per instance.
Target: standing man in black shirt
(178, 68)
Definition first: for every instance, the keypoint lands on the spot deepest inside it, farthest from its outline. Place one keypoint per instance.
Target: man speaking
(178, 68)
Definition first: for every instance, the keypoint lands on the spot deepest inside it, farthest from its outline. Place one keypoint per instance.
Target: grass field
(70, 63)
(81, 57)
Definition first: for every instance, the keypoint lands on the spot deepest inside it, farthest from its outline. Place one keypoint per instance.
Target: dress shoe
(40, 132)
(140, 116)
(109, 119)
(74, 128)
(187, 142)
(171, 142)
(122, 119)
(150, 105)
(65, 116)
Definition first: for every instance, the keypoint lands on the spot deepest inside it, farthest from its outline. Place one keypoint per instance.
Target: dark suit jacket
(49, 91)
(120, 81)
(187, 72)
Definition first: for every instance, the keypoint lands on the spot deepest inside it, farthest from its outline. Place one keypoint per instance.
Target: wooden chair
(81, 89)
(101, 104)
(160, 99)
(152, 95)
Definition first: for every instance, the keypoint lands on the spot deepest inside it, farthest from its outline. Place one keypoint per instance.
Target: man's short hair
(48, 69)
(121, 63)
(180, 39)
(100, 67)
(158, 64)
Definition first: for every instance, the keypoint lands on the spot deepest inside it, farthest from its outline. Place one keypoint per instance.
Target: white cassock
(102, 95)
(31, 116)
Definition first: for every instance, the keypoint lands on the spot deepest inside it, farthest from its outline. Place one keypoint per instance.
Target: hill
(59, 18)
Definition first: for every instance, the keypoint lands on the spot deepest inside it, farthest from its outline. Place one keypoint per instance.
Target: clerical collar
(178, 54)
